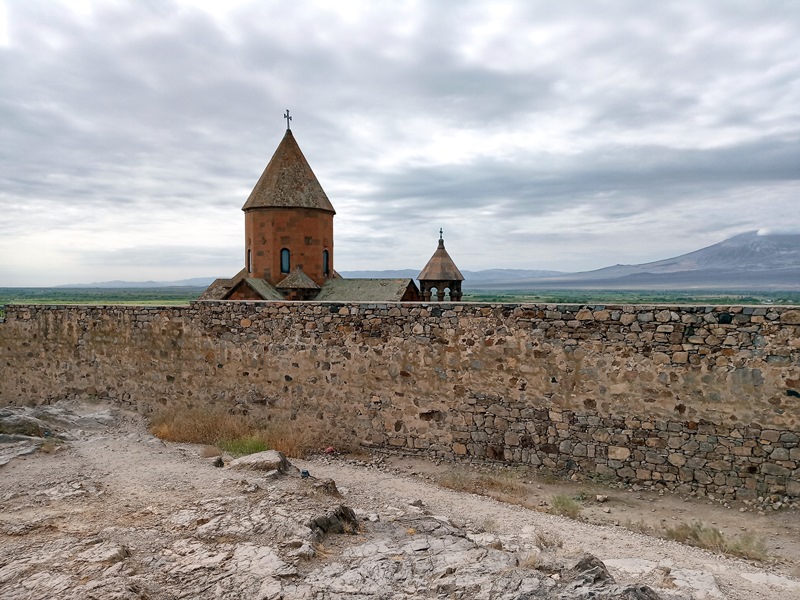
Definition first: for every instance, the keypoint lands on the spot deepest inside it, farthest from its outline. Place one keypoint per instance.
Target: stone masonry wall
(689, 397)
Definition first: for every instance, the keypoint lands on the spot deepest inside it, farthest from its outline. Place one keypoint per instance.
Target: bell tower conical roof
(288, 181)
(440, 267)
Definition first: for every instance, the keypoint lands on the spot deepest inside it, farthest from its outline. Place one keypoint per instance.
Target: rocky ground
(92, 506)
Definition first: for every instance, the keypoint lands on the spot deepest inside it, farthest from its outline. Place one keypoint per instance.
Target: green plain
(157, 296)
(184, 295)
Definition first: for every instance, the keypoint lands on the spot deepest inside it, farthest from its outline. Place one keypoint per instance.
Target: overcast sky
(538, 134)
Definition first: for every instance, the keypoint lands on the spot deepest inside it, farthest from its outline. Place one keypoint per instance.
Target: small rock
(269, 460)
(327, 487)
(342, 520)
(249, 487)
(305, 551)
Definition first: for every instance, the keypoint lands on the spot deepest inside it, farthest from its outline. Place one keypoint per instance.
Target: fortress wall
(690, 397)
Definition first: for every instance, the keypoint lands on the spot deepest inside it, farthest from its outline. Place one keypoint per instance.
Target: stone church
(289, 252)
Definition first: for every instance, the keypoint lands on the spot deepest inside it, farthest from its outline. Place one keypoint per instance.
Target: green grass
(157, 296)
(184, 295)
(242, 446)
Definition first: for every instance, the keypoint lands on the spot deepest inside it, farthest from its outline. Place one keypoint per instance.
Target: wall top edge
(459, 306)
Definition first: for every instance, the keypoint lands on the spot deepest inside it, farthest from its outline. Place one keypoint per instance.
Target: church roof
(219, 288)
(260, 286)
(288, 181)
(364, 290)
(440, 267)
(297, 280)
(264, 289)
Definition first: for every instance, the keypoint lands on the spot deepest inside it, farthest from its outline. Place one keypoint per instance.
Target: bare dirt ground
(114, 513)
(639, 509)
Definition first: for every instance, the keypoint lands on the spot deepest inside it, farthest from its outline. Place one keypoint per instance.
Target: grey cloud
(657, 173)
(157, 108)
(157, 256)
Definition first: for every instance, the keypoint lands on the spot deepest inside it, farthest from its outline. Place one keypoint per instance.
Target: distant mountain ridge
(193, 282)
(747, 261)
(486, 275)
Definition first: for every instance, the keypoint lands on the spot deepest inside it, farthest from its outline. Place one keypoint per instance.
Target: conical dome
(440, 267)
(288, 181)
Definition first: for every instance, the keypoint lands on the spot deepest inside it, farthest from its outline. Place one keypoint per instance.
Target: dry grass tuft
(710, 538)
(351, 528)
(747, 546)
(530, 561)
(639, 527)
(460, 480)
(563, 505)
(696, 534)
(303, 435)
(489, 524)
(548, 540)
(321, 551)
(243, 434)
(49, 446)
(199, 425)
(295, 438)
(504, 483)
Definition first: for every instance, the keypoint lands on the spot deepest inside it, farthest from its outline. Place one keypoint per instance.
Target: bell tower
(288, 220)
(441, 274)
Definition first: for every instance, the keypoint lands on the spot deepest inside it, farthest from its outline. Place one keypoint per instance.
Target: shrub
(563, 505)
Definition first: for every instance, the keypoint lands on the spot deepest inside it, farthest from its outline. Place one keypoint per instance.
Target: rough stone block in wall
(706, 397)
